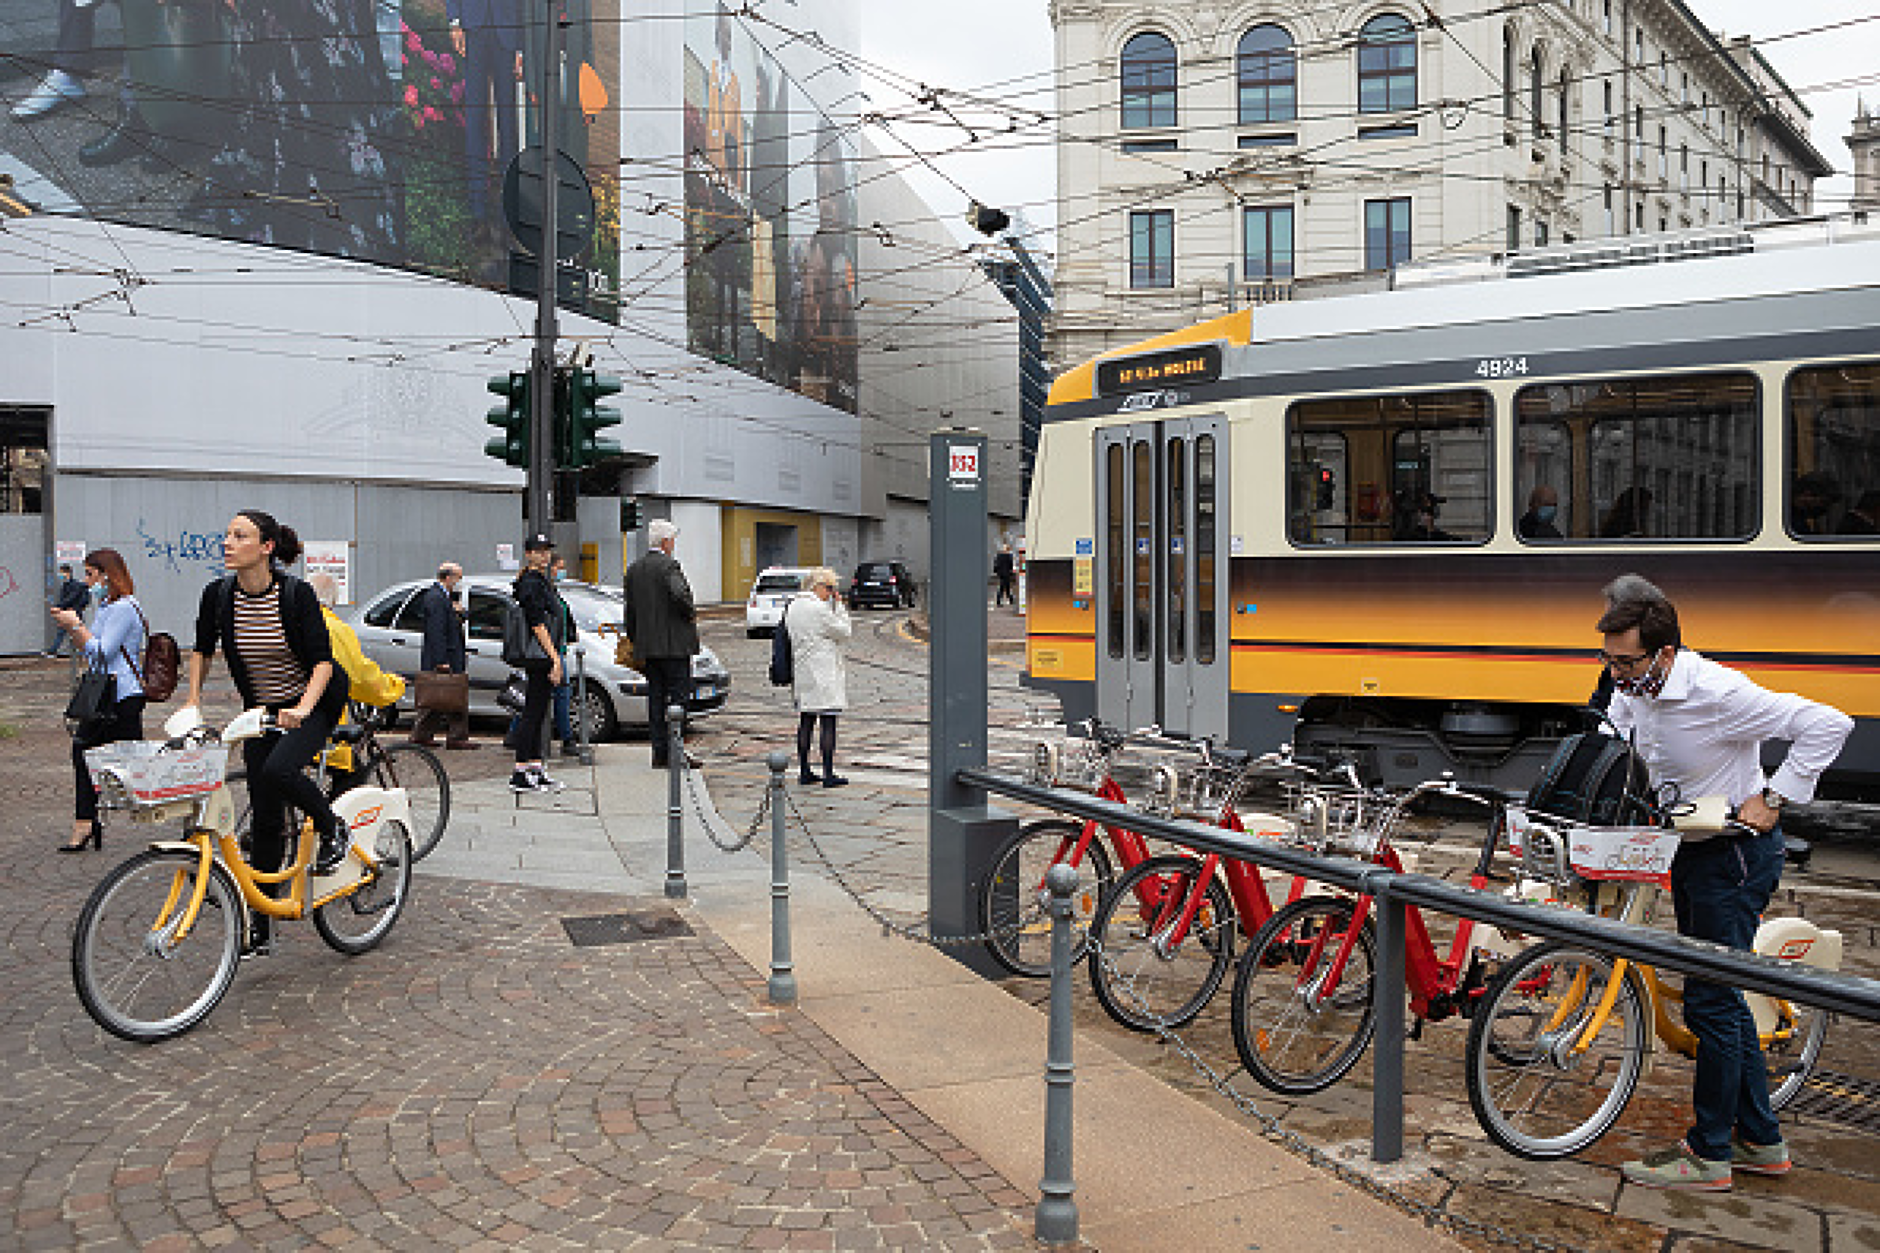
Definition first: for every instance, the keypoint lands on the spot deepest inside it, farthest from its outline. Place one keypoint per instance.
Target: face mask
(1546, 512)
(1649, 683)
(561, 576)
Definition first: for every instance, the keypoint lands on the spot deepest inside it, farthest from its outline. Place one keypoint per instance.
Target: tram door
(1161, 575)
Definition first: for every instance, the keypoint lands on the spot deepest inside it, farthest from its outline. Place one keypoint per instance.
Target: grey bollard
(580, 705)
(675, 810)
(1387, 990)
(1056, 1219)
(782, 990)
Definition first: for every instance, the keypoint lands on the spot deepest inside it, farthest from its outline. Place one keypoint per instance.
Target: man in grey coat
(661, 622)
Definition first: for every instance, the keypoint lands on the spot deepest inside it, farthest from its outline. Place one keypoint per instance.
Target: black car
(886, 584)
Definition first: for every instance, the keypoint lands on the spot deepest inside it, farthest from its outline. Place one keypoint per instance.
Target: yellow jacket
(369, 684)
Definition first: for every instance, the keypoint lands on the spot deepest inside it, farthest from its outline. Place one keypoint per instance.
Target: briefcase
(445, 693)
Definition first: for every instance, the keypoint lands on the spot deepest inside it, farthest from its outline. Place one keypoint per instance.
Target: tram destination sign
(1152, 371)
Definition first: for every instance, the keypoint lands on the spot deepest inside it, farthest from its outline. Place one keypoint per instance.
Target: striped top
(262, 642)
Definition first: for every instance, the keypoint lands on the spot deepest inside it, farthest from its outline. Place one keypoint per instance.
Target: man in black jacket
(443, 653)
(661, 622)
(71, 595)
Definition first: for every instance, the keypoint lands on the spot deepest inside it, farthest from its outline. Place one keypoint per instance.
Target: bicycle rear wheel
(1793, 1049)
(1547, 1072)
(1300, 1021)
(355, 923)
(427, 790)
(1144, 976)
(135, 974)
(1014, 907)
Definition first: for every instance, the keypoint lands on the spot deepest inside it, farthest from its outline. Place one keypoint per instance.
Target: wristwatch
(1774, 799)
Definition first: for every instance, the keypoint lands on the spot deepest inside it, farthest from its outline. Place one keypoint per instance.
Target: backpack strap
(135, 668)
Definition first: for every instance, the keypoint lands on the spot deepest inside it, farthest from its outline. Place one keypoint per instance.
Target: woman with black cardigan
(270, 625)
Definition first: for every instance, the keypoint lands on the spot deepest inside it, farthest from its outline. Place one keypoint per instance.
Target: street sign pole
(542, 365)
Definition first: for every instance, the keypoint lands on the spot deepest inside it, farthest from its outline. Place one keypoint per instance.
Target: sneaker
(1680, 1169)
(522, 781)
(333, 849)
(543, 783)
(260, 937)
(834, 780)
(1759, 1159)
(54, 89)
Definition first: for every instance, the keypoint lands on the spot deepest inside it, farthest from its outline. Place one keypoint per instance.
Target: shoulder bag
(93, 703)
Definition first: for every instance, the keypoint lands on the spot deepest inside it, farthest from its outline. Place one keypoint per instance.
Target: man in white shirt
(1700, 728)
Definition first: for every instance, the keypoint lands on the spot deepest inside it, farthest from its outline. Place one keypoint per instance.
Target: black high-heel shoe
(93, 839)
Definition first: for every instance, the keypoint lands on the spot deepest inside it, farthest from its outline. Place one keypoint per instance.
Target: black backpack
(782, 661)
(1597, 779)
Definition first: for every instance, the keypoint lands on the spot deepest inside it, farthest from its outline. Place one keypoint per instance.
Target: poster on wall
(770, 214)
(68, 552)
(331, 557)
(377, 130)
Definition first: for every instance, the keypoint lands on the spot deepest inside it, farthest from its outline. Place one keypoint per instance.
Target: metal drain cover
(1839, 1098)
(646, 924)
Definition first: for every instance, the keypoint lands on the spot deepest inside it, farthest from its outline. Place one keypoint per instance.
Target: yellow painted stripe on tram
(1080, 382)
(1061, 657)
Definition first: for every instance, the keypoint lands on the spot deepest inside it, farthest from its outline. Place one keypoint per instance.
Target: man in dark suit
(443, 653)
(663, 626)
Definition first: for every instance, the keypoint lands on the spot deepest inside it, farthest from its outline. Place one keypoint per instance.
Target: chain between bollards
(782, 990)
(675, 808)
(1056, 1218)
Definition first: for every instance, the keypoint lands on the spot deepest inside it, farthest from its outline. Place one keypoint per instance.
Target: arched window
(1534, 95)
(1148, 81)
(1566, 83)
(1507, 74)
(1268, 75)
(1387, 65)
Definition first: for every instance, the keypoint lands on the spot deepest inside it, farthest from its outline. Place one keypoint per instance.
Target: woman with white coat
(818, 624)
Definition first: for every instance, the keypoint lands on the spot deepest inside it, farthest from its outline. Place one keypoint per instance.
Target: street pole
(542, 365)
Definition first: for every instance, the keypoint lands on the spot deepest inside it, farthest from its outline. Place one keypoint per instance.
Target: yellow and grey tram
(1380, 523)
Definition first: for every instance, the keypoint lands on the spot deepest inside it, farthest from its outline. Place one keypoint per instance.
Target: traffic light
(585, 419)
(1328, 488)
(629, 514)
(987, 220)
(513, 417)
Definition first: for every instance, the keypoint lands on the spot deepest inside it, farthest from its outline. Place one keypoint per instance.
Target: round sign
(574, 204)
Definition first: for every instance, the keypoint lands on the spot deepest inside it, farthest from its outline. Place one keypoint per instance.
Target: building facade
(1215, 155)
(177, 347)
(1864, 143)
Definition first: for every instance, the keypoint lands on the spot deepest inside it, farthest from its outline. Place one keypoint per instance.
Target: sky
(1003, 49)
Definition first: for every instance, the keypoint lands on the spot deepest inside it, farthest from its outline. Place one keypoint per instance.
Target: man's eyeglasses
(1620, 661)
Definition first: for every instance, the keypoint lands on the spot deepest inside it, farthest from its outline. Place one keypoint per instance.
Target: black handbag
(514, 694)
(93, 703)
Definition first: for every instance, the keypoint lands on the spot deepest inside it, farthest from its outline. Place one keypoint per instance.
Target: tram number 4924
(1501, 367)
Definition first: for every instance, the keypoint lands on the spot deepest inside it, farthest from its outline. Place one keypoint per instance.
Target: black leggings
(127, 723)
(805, 724)
(534, 713)
(277, 775)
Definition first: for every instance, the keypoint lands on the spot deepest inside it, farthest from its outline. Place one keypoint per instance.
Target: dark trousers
(277, 776)
(127, 723)
(805, 725)
(668, 682)
(528, 728)
(76, 26)
(489, 73)
(1719, 888)
(1007, 591)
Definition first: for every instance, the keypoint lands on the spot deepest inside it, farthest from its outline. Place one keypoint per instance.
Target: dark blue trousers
(1719, 888)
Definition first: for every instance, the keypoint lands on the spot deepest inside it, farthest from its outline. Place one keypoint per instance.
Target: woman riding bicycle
(280, 657)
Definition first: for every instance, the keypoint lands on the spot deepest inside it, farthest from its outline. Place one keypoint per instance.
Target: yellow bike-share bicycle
(157, 945)
(1563, 1033)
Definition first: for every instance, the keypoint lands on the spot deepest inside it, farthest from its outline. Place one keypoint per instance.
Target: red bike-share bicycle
(1301, 1012)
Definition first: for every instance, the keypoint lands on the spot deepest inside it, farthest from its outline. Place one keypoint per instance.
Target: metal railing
(1392, 891)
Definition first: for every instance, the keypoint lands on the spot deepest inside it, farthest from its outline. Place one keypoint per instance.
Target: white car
(770, 593)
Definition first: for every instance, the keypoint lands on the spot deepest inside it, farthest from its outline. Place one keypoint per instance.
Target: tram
(1380, 523)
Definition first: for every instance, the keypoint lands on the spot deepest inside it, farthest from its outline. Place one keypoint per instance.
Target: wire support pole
(540, 489)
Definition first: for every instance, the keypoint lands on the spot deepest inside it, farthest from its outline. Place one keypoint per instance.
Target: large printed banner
(770, 215)
(371, 129)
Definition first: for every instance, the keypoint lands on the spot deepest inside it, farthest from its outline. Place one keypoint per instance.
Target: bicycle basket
(150, 772)
(1567, 852)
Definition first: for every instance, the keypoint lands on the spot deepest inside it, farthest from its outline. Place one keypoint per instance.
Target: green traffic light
(513, 418)
(579, 418)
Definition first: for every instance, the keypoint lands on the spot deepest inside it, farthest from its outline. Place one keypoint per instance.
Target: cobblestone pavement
(477, 1082)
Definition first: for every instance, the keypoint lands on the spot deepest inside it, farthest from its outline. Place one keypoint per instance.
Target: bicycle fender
(174, 846)
(1796, 940)
(364, 808)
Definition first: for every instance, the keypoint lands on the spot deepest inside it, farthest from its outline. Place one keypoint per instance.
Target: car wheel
(597, 711)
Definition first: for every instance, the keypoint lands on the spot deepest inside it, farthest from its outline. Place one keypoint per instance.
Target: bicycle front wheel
(1301, 1015)
(1014, 906)
(1550, 1065)
(1149, 970)
(427, 790)
(356, 922)
(137, 974)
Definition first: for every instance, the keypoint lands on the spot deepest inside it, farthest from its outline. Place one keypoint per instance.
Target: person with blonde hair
(818, 624)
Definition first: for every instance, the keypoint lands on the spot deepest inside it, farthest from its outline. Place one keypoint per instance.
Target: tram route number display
(962, 465)
(1153, 371)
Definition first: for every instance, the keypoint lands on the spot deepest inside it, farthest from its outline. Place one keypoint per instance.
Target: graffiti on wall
(195, 547)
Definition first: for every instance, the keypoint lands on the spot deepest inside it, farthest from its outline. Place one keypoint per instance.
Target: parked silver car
(391, 630)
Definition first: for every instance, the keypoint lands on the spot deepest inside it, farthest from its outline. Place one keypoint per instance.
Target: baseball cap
(536, 543)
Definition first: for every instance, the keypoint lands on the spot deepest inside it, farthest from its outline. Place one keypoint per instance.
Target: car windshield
(778, 583)
(590, 606)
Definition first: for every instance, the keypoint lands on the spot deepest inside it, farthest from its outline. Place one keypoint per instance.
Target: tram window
(1833, 444)
(1116, 532)
(1671, 457)
(1177, 543)
(1205, 621)
(1403, 469)
(1142, 595)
